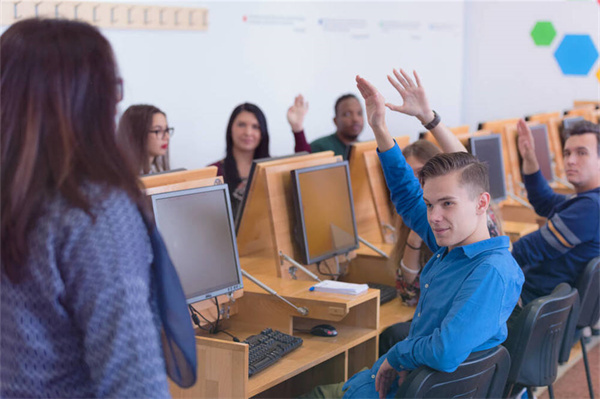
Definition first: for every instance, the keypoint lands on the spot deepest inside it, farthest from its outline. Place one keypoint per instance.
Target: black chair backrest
(534, 341)
(482, 375)
(589, 306)
(588, 286)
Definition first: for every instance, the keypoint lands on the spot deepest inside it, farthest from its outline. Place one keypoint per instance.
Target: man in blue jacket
(559, 251)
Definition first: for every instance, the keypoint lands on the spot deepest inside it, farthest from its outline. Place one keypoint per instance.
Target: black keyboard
(268, 347)
(386, 294)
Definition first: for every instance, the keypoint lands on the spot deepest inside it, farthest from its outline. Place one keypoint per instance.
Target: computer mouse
(324, 330)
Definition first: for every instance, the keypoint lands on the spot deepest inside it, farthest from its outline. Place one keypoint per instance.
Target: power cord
(214, 327)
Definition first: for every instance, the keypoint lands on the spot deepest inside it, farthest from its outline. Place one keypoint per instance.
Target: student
(349, 124)
(471, 284)
(78, 313)
(247, 138)
(145, 134)
(559, 251)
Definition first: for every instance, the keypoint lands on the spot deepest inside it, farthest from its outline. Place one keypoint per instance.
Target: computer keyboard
(268, 347)
(386, 294)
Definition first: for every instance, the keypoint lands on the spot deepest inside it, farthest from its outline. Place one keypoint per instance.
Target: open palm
(413, 95)
(374, 102)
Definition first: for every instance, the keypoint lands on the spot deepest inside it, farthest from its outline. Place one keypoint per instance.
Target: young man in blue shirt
(559, 251)
(471, 285)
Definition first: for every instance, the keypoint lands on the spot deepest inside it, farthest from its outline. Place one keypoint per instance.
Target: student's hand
(385, 378)
(374, 102)
(413, 95)
(296, 114)
(414, 239)
(526, 148)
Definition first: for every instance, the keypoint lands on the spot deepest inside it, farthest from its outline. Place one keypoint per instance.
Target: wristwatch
(436, 120)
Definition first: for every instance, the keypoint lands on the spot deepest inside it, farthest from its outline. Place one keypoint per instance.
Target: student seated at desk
(247, 138)
(470, 285)
(79, 315)
(349, 124)
(559, 251)
(409, 255)
(144, 134)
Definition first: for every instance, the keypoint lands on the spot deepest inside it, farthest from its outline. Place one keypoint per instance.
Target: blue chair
(535, 339)
(482, 375)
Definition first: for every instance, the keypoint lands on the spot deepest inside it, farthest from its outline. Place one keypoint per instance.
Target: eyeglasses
(162, 133)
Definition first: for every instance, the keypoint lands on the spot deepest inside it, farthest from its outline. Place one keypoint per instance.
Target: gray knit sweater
(84, 322)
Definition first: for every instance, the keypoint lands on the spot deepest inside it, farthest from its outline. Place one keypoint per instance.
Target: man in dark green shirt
(349, 122)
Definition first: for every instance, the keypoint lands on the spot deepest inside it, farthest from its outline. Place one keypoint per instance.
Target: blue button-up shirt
(467, 294)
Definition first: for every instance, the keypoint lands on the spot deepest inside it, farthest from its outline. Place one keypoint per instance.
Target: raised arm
(295, 117)
(416, 104)
(527, 148)
(539, 192)
(404, 187)
(296, 114)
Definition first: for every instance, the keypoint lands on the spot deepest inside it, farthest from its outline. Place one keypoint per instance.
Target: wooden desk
(223, 364)
(516, 230)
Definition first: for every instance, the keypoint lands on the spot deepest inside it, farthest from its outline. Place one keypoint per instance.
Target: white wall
(506, 75)
(286, 48)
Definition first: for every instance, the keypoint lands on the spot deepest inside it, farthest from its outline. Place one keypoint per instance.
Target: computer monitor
(197, 227)
(542, 150)
(324, 209)
(568, 123)
(488, 149)
(240, 211)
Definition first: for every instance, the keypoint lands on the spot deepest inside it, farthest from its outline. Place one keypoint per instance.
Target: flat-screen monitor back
(240, 211)
(324, 207)
(197, 227)
(542, 150)
(488, 149)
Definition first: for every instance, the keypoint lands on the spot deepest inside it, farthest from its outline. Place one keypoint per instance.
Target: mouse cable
(195, 319)
(330, 274)
(212, 326)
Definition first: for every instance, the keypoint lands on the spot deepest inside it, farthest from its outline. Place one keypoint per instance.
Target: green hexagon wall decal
(543, 33)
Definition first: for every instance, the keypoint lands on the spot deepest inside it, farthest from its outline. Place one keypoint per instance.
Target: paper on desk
(339, 287)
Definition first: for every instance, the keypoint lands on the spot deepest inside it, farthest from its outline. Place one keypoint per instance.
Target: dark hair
(230, 170)
(421, 149)
(343, 98)
(473, 172)
(59, 85)
(584, 127)
(132, 134)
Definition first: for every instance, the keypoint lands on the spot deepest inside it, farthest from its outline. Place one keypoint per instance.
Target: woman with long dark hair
(78, 313)
(145, 134)
(247, 138)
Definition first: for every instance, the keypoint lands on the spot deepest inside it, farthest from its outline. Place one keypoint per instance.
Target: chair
(482, 375)
(535, 339)
(589, 313)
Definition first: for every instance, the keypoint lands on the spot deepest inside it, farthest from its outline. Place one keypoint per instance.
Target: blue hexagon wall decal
(576, 54)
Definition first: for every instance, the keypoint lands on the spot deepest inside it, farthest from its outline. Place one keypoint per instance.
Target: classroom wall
(506, 75)
(268, 52)
(476, 59)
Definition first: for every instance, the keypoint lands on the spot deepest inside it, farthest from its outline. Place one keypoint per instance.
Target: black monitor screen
(197, 227)
(568, 123)
(488, 149)
(324, 211)
(542, 150)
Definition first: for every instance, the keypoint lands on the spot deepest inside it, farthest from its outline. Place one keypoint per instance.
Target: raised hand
(374, 102)
(413, 95)
(527, 148)
(296, 113)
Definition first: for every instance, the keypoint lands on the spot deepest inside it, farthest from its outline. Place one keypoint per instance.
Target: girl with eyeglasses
(144, 133)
